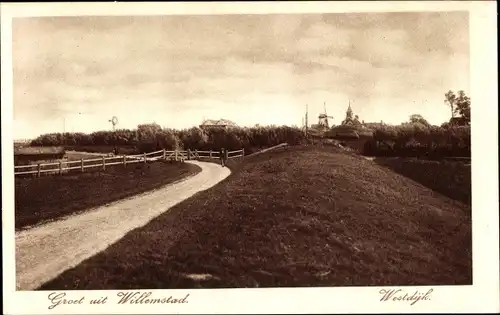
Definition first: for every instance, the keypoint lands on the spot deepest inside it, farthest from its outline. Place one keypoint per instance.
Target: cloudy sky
(75, 73)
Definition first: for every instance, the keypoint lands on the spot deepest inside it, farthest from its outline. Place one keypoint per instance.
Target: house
(219, 124)
(34, 155)
(459, 121)
(22, 142)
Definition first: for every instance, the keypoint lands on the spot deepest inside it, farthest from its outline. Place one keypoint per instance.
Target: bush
(419, 140)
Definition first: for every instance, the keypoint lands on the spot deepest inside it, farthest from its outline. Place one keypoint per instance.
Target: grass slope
(302, 217)
(50, 197)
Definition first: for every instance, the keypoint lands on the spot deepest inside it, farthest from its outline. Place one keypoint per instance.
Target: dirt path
(44, 252)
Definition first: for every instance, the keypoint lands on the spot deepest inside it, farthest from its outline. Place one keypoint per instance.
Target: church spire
(349, 112)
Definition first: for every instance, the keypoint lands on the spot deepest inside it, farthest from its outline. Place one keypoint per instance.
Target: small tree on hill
(463, 106)
(459, 104)
(450, 98)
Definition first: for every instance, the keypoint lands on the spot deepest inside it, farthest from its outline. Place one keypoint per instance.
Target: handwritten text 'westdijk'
(140, 298)
(400, 295)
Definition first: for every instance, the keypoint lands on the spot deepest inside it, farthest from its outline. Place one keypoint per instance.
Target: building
(21, 143)
(350, 118)
(219, 124)
(459, 121)
(351, 128)
(34, 155)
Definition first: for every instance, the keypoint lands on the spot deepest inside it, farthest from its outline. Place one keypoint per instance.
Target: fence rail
(279, 146)
(83, 164)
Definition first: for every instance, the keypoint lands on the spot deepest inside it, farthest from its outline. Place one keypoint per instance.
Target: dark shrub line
(408, 139)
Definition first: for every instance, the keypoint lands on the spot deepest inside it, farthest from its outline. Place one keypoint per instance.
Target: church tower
(348, 114)
(349, 119)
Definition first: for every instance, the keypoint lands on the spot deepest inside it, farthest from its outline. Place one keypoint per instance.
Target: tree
(147, 132)
(194, 138)
(462, 106)
(147, 137)
(418, 119)
(450, 99)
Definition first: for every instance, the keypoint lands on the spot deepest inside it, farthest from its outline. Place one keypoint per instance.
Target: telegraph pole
(307, 123)
(64, 131)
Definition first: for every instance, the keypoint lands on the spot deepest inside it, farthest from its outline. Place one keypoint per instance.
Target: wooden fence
(279, 146)
(62, 167)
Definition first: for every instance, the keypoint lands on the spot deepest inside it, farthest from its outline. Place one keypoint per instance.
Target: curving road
(44, 252)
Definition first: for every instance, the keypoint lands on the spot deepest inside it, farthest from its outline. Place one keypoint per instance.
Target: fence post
(226, 155)
(60, 167)
(242, 153)
(144, 155)
(210, 156)
(176, 154)
(189, 154)
(39, 170)
(164, 154)
(81, 164)
(196, 156)
(221, 155)
(103, 163)
(124, 160)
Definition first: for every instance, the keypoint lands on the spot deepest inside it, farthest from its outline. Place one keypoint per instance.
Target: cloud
(235, 66)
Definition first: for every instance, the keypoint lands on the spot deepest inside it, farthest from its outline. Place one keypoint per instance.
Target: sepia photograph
(242, 151)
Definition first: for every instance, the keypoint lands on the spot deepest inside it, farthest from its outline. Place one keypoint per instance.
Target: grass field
(54, 196)
(305, 216)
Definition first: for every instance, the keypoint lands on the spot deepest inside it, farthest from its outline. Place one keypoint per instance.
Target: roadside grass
(306, 216)
(38, 200)
(450, 178)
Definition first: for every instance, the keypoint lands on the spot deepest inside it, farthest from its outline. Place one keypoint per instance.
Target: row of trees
(415, 137)
(411, 138)
(151, 137)
(418, 139)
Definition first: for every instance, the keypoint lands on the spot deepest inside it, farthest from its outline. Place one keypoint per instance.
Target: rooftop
(38, 150)
(219, 122)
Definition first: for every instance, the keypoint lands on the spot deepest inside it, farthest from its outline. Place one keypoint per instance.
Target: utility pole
(307, 123)
(64, 131)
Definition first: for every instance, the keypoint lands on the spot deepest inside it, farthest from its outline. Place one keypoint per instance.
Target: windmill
(323, 119)
(322, 127)
(113, 121)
